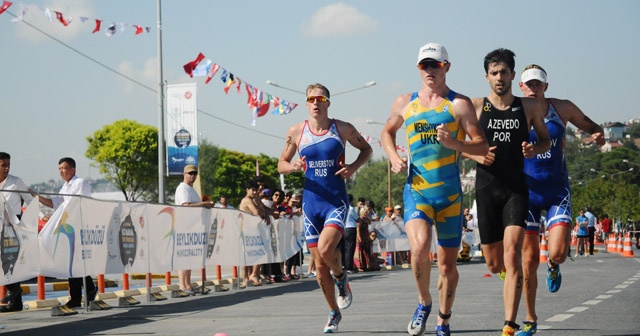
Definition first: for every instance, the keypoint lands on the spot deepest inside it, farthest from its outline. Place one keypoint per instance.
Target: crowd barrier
(86, 236)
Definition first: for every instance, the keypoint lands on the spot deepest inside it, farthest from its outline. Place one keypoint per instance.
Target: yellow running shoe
(508, 331)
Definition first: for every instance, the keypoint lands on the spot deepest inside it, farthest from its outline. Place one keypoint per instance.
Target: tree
(371, 182)
(126, 153)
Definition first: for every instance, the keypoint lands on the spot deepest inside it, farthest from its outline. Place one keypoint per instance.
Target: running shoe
(502, 275)
(332, 324)
(529, 329)
(508, 331)
(344, 292)
(554, 278)
(419, 320)
(443, 330)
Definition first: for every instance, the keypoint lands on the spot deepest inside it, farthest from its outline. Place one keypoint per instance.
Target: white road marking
(559, 318)
(577, 309)
(602, 297)
(592, 302)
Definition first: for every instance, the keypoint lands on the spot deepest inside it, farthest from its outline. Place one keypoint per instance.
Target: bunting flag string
(259, 102)
(66, 20)
(372, 141)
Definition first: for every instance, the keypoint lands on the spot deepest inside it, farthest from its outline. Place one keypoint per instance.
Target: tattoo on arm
(288, 142)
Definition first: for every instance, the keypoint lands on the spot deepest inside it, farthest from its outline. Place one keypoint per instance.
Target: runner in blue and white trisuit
(320, 143)
(548, 182)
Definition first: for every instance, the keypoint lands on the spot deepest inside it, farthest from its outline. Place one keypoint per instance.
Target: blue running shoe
(554, 278)
(419, 320)
(529, 329)
(345, 297)
(443, 330)
(332, 323)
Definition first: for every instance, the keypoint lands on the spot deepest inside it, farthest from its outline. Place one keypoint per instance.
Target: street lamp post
(364, 86)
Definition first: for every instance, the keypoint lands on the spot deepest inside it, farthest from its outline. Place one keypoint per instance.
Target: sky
(61, 84)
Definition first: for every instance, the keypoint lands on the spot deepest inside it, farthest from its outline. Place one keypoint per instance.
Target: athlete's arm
(356, 140)
(535, 111)
(572, 113)
(490, 156)
(388, 134)
(285, 166)
(466, 117)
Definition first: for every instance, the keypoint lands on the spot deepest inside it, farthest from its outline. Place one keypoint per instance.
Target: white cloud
(71, 9)
(339, 20)
(147, 75)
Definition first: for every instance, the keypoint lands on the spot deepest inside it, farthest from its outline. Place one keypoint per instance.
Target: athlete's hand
(444, 137)
(345, 171)
(398, 165)
(298, 164)
(527, 150)
(598, 138)
(488, 159)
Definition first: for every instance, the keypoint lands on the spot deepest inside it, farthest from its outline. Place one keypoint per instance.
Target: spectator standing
(73, 185)
(350, 237)
(371, 209)
(251, 274)
(387, 216)
(187, 196)
(606, 227)
(223, 203)
(591, 227)
(363, 260)
(13, 201)
(582, 232)
(320, 142)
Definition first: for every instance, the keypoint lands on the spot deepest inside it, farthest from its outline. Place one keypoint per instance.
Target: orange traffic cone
(544, 253)
(627, 251)
(611, 245)
(619, 246)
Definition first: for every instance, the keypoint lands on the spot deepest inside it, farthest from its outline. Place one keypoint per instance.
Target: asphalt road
(600, 295)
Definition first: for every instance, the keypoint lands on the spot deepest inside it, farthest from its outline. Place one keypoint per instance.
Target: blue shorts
(447, 215)
(556, 201)
(318, 215)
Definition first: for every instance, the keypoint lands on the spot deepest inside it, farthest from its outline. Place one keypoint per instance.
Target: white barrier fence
(86, 236)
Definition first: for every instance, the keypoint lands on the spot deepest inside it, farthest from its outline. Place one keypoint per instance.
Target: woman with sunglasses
(320, 144)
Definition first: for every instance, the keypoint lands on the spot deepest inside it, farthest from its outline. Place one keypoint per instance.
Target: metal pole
(161, 154)
(160, 129)
(389, 180)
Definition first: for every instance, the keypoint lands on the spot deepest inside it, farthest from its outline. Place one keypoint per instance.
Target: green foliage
(126, 153)
(372, 182)
(605, 183)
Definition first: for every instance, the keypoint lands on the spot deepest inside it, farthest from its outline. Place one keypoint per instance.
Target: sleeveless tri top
(433, 168)
(544, 168)
(506, 129)
(323, 154)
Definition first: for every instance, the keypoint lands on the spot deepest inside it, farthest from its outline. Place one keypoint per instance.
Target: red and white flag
(5, 6)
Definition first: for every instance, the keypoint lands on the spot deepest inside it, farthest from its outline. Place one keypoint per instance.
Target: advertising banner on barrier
(182, 127)
(19, 252)
(392, 236)
(85, 236)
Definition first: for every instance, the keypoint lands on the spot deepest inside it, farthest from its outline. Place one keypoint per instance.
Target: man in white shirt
(12, 301)
(73, 186)
(186, 195)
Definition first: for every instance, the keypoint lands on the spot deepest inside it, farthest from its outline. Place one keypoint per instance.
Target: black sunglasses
(192, 173)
